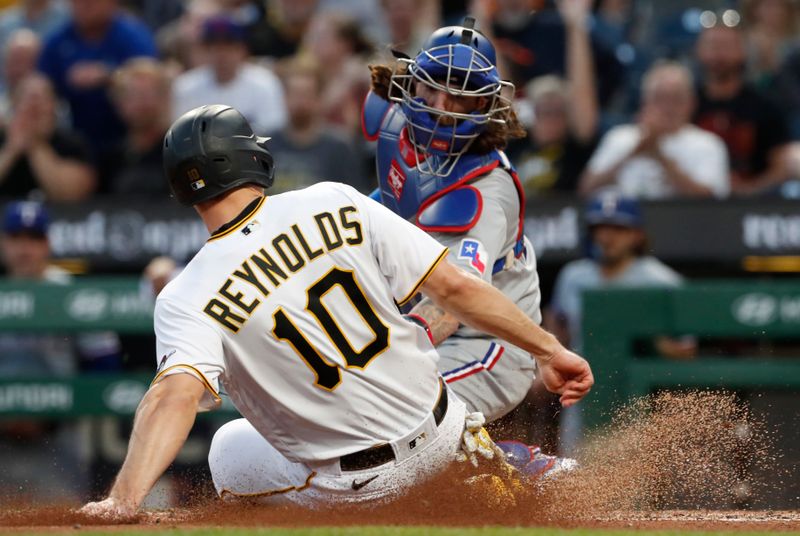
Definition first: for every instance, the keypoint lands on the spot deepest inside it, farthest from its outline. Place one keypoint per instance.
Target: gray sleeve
(494, 233)
(477, 250)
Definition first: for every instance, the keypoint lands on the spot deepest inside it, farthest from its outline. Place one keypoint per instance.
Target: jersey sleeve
(477, 250)
(186, 344)
(406, 254)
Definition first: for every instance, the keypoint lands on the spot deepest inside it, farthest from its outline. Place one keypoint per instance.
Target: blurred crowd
(652, 99)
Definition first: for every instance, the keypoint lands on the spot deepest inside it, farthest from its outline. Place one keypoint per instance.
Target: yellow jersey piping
(270, 493)
(424, 277)
(240, 223)
(202, 378)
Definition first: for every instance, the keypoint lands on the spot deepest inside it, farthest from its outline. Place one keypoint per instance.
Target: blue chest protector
(435, 204)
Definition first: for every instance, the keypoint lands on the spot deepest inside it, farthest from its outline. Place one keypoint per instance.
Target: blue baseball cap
(27, 217)
(222, 29)
(613, 209)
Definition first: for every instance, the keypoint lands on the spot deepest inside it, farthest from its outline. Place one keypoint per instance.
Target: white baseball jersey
(293, 307)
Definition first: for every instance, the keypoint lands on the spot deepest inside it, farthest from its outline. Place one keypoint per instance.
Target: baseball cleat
(532, 463)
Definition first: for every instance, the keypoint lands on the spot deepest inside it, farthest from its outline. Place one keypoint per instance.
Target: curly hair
(495, 136)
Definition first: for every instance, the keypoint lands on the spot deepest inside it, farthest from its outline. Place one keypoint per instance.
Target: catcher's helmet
(462, 62)
(212, 149)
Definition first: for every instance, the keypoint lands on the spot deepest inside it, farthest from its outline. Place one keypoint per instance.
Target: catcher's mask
(460, 61)
(211, 150)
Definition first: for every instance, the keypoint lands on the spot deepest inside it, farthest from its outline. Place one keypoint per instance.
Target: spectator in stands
(37, 155)
(251, 15)
(158, 13)
(369, 15)
(181, 40)
(80, 57)
(279, 33)
(141, 92)
(19, 60)
(530, 37)
(613, 21)
(410, 23)
(771, 30)
(307, 151)
(25, 250)
(663, 155)
(42, 459)
(40, 16)
(229, 78)
(617, 259)
(341, 50)
(565, 117)
(754, 130)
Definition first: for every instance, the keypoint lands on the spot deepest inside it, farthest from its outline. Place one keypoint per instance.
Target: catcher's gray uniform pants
(490, 376)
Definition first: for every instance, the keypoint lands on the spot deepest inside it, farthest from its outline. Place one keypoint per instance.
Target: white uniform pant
(244, 464)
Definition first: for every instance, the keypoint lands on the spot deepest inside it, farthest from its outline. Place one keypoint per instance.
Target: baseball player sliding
(291, 305)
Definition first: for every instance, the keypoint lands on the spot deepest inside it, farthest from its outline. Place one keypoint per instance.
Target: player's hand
(567, 374)
(110, 509)
(476, 443)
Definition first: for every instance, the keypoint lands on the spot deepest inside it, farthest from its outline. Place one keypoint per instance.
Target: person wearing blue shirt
(80, 57)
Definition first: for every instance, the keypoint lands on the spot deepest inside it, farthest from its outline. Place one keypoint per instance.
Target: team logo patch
(440, 145)
(397, 179)
(475, 253)
(197, 183)
(414, 443)
(250, 227)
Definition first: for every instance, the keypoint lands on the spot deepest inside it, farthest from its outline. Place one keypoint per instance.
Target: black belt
(381, 454)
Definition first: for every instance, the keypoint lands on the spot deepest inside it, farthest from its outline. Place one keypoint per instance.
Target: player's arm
(441, 324)
(480, 305)
(163, 420)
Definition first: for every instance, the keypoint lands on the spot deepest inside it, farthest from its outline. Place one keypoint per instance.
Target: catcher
(441, 121)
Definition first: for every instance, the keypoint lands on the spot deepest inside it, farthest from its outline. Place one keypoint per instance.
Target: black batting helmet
(212, 149)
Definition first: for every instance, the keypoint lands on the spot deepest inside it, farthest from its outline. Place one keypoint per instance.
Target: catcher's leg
(489, 377)
(244, 464)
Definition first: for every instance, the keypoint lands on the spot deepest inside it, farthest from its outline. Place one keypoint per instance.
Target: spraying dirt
(663, 459)
(671, 450)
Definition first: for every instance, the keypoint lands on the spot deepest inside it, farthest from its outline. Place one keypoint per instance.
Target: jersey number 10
(328, 375)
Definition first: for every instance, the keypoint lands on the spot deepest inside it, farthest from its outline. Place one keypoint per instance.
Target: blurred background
(690, 109)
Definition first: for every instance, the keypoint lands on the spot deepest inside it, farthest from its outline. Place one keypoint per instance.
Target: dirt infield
(65, 520)
(663, 459)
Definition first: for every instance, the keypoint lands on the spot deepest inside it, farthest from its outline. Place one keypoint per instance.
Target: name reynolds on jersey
(288, 253)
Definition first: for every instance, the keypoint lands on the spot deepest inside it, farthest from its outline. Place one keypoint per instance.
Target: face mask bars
(429, 126)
